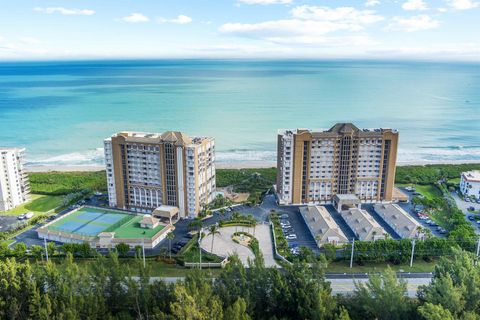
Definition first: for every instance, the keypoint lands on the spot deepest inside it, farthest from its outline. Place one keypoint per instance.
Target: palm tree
(213, 230)
(170, 237)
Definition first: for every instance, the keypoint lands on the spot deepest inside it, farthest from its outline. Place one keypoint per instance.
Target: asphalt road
(344, 285)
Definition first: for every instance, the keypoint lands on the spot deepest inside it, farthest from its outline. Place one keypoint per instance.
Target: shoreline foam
(231, 165)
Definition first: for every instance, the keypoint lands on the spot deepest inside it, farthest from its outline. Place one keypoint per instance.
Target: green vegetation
(281, 241)
(431, 174)
(63, 183)
(105, 288)
(37, 204)
(191, 253)
(369, 267)
(238, 219)
(254, 181)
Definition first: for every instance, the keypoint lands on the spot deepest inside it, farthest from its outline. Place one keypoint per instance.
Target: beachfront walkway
(224, 245)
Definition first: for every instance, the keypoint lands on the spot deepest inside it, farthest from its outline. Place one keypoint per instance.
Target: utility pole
(200, 247)
(413, 250)
(351, 256)
(46, 249)
(143, 252)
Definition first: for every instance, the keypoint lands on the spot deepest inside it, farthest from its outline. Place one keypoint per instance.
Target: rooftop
(472, 176)
(175, 137)
(361, 223)
(398, 219)
(321, 223)
(339, 128)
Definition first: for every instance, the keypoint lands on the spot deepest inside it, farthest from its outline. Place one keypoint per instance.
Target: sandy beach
(228, 165)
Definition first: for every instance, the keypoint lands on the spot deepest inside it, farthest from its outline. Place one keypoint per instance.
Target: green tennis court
(92, 221)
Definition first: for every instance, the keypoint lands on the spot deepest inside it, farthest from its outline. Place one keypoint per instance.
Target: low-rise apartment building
(148, 170)
(315, 165)
(399, 220)
(470, 184)
(322, 226)
(14, 186)
(363, 225)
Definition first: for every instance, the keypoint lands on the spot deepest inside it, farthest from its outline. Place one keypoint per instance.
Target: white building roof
(397, 218)
(321, 225)
(471, 176)
(362, 224)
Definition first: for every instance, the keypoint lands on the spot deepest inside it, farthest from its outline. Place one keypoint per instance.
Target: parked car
(442, 231)
(467, 199)
(417, 193)
(471, 208)
(28, 215)
(21, 217)
(291, 236)
(478, 200)
(284, 216)
(471, 218)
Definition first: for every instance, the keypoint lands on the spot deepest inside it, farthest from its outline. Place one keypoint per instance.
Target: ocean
(62, 111)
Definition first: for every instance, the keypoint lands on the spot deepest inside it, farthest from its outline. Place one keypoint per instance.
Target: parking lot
(466, 207)
(408, 207)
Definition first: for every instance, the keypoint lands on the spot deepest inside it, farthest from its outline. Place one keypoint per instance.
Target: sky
(116, 29)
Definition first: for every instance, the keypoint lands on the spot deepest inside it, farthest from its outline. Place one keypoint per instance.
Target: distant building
(315, 165)
(363, 225)
(399, 220)
(14, 186)
(322, 226)
(148, 170)
(470, 184)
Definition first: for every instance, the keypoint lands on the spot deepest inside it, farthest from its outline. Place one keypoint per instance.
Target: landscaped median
(189, 256)
(280, 242)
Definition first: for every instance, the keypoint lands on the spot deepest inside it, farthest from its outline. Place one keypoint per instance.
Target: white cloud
(265, 2)
(342, 14)
(65, 11)
(136, 18)
(372, 3)
(310, 25)
(415, 23)
(180, 19)
(30, 40)
(415, 5)
(462, 4)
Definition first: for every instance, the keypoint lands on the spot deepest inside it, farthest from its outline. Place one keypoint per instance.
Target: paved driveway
(223, 245)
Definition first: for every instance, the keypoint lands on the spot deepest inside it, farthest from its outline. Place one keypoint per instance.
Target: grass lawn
(132, 229)
(344, 267)
(157, 268)
(429, 191)
(455, 181)
(38, 204)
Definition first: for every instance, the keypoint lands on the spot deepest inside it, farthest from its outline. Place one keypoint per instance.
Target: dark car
(471, 218)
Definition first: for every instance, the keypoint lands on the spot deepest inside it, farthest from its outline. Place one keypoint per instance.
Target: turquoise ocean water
(62, 111)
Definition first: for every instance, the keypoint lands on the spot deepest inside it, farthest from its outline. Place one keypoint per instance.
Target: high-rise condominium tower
(14, 187)
(147, 170)
(316, 165)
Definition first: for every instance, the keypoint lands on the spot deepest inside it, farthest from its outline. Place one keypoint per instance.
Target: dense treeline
(107, 289)
(430, 174)
(63, 183)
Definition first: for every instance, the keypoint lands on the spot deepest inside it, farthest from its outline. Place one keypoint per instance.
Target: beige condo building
(315, 165)
(148, 170)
